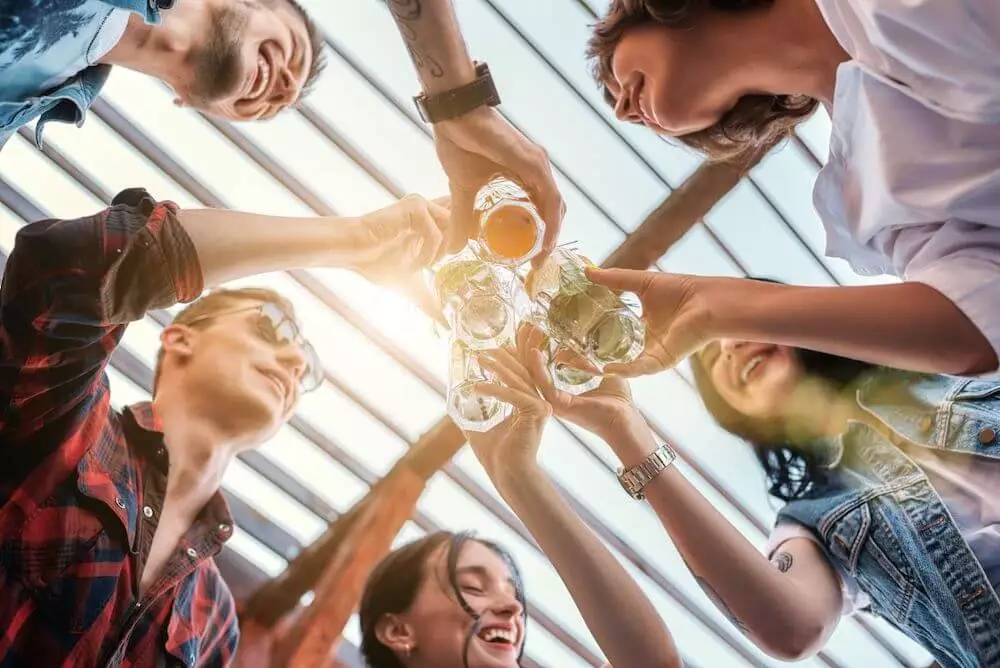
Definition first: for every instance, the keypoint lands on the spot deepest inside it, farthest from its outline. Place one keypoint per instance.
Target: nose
(506, 606)
(623, 110)
(730, 346)
(293, 360)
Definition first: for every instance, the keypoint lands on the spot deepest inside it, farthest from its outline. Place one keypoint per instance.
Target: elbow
(794, 642)
(981, 360)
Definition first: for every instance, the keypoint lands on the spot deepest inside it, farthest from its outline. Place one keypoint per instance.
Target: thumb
(629, 280)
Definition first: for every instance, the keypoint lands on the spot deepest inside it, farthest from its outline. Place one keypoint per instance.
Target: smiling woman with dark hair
(889, 481)
(463, 597)
(456, 601)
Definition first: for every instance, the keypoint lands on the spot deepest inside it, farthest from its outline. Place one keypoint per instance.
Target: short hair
(318, 62)
(218, 301)
(754, 125)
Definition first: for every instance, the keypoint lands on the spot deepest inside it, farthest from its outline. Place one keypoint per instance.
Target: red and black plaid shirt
(81, 486)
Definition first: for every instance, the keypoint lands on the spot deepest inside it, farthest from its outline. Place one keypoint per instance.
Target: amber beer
(510, 229)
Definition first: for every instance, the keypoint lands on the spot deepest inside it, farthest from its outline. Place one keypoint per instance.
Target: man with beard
(240, 60)
(109, 520)
(248, 59)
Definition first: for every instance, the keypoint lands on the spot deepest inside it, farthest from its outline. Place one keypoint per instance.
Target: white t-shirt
(912, 183)
(968, 484)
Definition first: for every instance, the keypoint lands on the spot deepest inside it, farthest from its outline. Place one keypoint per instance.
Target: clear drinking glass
(601, 325)
(470, 410)
(510, 229)
(478, 300)
(564, 365)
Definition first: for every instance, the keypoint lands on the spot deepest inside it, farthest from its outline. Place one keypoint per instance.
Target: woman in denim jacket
(892, 488)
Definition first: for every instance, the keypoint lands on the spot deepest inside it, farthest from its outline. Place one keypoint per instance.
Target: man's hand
(603, 411)
(395, 243)
(512, 446)
(481, 144)
(676, 310)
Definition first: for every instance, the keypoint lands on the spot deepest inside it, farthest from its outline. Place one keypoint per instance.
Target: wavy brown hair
(393, 586)
(747, 131)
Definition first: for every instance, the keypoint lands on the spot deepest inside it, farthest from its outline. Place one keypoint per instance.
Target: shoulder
(946, 53)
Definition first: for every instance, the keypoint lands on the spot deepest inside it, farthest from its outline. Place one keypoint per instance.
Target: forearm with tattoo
(430, 30)
(782, 561)
(407, 14)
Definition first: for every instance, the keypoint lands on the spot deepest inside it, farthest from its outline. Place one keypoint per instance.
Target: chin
(253, 415)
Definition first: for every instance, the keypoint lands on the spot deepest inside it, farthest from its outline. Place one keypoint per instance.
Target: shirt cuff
(973, 285)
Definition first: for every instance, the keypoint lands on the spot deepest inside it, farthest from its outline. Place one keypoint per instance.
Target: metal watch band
(635, 479)
(459, 101)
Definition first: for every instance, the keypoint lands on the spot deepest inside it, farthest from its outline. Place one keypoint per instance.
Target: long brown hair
(393, 585)
(751, 128)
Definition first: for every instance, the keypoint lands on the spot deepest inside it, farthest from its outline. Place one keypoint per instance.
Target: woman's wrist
(630, 438)
(517, 477)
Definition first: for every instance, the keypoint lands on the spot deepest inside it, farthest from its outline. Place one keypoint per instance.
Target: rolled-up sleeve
(960, 260)
(69, 289)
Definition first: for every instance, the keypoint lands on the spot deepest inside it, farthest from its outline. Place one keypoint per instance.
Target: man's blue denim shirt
(23, 24)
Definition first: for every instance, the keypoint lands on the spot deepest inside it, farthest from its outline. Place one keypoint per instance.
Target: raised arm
(917, 326)
(71, 286)
(476, 145)
(625, 624)
(432, 36)
(788, 607)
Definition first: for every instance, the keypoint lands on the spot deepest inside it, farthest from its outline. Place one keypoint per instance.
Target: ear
(395, 634)
(178, 340)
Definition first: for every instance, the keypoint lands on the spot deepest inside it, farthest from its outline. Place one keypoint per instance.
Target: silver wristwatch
(635, 479)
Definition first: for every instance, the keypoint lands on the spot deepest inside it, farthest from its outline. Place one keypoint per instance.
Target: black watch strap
(459, 101)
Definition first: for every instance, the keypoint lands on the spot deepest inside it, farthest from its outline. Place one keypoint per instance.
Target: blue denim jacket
(880, 520)
(68, 103)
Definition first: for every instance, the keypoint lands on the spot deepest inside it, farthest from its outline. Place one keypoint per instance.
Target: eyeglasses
(275, 327)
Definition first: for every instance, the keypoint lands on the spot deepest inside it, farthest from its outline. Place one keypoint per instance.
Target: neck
(199, 454)
(159, 51)
(787, 49)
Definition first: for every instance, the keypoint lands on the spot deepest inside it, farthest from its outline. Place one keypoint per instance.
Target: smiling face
(661, 78)
(435, 627)
(713, 74)
(233, 365)
(755, 379)
(254, 61)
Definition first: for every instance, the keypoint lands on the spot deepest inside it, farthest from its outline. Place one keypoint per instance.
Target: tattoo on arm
(407, 14)
(783, 562)
(720, 604)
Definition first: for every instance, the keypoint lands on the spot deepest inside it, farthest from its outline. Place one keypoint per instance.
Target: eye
(471, 587)
(265, 330)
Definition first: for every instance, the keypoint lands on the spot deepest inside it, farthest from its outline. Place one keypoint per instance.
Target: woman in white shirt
(911, 186)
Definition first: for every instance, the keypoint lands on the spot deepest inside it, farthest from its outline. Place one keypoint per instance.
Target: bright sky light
(612, 175)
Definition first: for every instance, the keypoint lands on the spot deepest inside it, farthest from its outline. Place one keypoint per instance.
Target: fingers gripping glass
(275, 327)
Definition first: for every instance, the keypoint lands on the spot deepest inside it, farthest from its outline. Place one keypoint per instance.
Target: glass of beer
(470, 410)
(596, 322)
(478, 300)
(510, 229)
